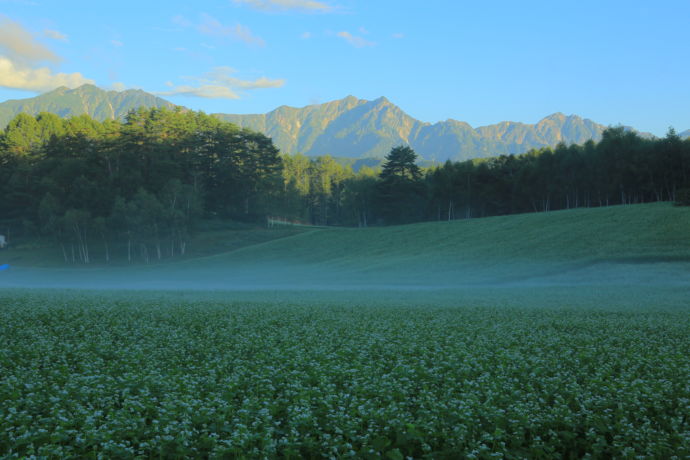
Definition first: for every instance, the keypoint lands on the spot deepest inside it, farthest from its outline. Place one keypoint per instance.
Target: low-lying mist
(622, 245)
(211, 275)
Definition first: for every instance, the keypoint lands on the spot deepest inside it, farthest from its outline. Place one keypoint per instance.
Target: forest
(139, 189)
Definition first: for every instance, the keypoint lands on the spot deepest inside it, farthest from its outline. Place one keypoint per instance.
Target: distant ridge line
(347, 128)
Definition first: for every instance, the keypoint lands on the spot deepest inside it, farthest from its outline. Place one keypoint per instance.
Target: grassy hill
(622, 245)
(504, 249)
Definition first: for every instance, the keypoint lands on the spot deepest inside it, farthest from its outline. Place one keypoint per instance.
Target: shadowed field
(560, 335)
(622, 245)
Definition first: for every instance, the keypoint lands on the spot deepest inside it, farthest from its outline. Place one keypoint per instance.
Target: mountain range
(349, 127)
(87, 99)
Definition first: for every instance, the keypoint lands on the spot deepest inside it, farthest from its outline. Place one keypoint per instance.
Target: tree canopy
(138, 189)
(401, 164)
(144, 182)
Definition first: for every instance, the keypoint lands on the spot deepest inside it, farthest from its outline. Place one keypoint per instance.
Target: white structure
(3, 242)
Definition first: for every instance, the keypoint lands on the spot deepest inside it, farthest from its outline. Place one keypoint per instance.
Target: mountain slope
(349, 127)
(357, 128)
(86, 99)
(295, 130)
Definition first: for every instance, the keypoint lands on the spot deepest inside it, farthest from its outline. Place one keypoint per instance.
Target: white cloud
(36, 79)
(116, 43)
(212, 27)
(207, 91)
(354, 40)
(305, 35)
(311, 6)
(17, 43)
(223, 75)
(219, 84)
(55, 35)
(22, 61)
(398, 35)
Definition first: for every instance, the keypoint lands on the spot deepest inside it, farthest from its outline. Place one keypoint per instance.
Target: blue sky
(612, 61)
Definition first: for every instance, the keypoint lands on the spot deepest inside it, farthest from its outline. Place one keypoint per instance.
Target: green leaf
(395, 454)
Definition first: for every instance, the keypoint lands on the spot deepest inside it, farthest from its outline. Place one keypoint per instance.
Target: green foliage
(359, 198)
(152, 176)
(22, 134)
(223, 171)
(621, 169)
(400, 191)
(314, 190)
(193, 375)
(400, 164)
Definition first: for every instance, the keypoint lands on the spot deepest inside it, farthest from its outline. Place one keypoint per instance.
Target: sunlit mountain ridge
(348, 127)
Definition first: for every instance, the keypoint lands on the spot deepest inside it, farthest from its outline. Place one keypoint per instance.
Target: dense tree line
(139, 185)
(137, 188)
(623, 168)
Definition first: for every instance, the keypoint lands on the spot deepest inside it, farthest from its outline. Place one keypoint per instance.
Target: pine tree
(400, 191)
(400, 163)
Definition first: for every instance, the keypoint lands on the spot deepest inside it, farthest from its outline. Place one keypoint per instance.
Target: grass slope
(621, 245)
(492, 249)
(652, 231)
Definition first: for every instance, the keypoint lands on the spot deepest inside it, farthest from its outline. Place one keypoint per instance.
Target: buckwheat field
(305, 376)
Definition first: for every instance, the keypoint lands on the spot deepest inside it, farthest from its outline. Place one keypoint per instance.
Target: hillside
(498, 249)
(87, 99)
(622, 245)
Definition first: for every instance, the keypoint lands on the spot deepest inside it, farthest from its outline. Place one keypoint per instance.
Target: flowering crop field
(323, 375)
